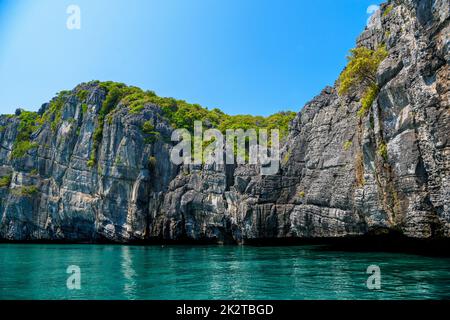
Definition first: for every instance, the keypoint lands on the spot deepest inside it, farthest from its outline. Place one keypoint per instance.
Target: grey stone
(321, 190)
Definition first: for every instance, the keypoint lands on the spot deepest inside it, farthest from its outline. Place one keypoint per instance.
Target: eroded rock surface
(333, 180)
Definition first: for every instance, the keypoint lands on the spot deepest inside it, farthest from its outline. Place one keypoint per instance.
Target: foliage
(91, 162)
(27, 124)
(347, 145)
(136, 99)
(179, 113)
(114, 93)
(149, 130)
(383, 150)
(84, 108)
(118, 161)
(287, 156)
(278, 121)
(388, 10)
(21, 148)
(5, 181)
(368, 98)
(148, 127)
(182, 114)
(82, 94)
(26, 191)
(22, 144)
(361, 69)
(360, 74)
(152, 138)
(54, 112)
(29, 190)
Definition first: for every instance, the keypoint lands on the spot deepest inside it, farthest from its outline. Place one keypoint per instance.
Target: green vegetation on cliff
(113, 96)
(388, 10)
(179, 113)
(347, 145)
(149, 130)
(28, 124)
(383, 150)
(360, 75)
(182, 114)
(53, 113)
(5, 181)
(25, 191)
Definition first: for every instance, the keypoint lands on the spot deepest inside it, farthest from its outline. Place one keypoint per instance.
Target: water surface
(38, 271)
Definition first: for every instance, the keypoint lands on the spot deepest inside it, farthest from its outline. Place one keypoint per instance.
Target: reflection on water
(128, 273)
(215, 272)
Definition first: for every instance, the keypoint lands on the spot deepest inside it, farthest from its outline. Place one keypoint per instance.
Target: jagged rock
(333, 180)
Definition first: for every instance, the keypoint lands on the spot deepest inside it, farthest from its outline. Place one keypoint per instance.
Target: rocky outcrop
(341, 175)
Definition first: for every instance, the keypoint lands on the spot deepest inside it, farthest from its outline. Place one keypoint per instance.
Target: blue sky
(243, 56)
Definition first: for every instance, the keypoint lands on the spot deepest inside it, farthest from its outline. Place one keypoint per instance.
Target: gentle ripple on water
(31, 271)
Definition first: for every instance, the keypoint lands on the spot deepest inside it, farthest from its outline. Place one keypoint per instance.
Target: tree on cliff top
(360, 75)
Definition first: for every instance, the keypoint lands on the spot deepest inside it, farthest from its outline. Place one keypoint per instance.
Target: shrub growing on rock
(360, 74)
(5, 181)
(383, 151)
(22, 144)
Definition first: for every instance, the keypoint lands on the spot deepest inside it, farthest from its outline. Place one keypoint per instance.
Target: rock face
(335, 179)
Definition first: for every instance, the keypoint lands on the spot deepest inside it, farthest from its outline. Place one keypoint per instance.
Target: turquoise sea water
(38, 271)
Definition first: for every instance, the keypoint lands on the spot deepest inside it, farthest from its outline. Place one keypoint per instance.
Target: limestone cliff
(341, 174)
